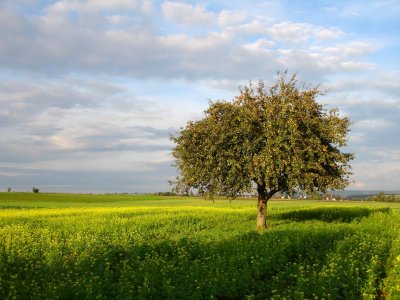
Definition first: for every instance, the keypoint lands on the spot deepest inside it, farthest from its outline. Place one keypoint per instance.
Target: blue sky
(91, 90)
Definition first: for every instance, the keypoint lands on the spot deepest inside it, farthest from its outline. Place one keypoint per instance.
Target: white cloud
(380, 172)
(115, 19)
(231, 18)
(373, 124)
(246, 50)
(350, 49)
(253, 28)
(299, 33)
(111, 5)
(63, 6)
(327, 33)
(147, 7)
(187, 14)
(260, 44)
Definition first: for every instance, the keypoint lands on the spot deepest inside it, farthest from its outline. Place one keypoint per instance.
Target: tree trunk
(261, 207)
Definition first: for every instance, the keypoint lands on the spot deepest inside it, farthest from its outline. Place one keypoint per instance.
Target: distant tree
(317, 196)
(276, 139)
(380, 197)
(35, 190)
(391, 198)
(165, 194)
(9, 189)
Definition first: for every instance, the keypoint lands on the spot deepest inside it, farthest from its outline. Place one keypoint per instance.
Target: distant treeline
(382, 197)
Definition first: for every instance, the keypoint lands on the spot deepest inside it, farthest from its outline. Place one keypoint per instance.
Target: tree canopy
(274, 139)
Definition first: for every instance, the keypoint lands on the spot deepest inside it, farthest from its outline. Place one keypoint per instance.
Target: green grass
(146, 247)
(53, 200)
(26, 200)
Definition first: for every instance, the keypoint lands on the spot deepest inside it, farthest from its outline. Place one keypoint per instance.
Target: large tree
(274, 139)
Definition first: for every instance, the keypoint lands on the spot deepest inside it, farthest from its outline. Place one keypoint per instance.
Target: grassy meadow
(60, 246)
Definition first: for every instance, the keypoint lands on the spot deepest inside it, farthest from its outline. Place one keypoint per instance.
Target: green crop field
(59, 246)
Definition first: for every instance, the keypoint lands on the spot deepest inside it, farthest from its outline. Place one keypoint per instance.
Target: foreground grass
(177, 251)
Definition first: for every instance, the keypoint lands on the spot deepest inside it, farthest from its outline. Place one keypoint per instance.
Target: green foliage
(392, 280)
(165, 194)
(328, 214)
(35, 190)
(381, 197)
(277, 138)
(166, 252)
(82, 199)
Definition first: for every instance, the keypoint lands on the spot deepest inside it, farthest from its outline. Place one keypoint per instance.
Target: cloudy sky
(90, 90)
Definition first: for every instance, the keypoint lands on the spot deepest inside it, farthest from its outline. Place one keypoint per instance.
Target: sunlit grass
(198, 249)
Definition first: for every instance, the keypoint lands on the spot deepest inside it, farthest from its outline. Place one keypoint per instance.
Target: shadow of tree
(329, 214)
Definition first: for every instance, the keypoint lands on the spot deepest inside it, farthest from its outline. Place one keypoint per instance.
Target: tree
(380, 197)
(275, 139)
(35, 190)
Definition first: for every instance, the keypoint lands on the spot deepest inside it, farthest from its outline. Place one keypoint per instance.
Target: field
(151, 247)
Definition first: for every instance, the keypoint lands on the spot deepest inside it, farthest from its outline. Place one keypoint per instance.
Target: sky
(90, 91)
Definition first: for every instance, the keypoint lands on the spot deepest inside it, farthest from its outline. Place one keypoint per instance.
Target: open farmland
(146, 247)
